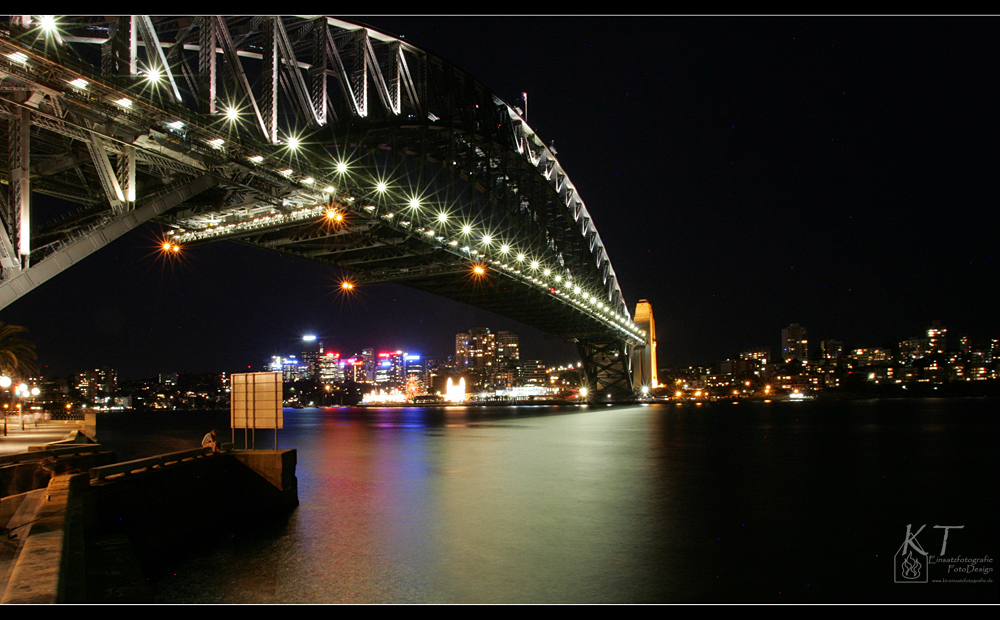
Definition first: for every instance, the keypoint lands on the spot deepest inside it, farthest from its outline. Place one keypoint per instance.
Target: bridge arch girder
(392, 112)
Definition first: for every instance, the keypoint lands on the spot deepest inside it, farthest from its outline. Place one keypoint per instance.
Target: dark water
(750, 502)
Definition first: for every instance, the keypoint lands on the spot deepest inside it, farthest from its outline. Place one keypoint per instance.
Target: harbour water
(664, 503)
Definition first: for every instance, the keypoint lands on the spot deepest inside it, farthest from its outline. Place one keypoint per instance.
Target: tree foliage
(17, 355)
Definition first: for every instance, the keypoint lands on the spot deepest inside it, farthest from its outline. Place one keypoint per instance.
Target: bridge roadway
(304, 135)
(85, 537)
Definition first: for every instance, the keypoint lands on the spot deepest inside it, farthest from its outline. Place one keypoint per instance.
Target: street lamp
(5, 382)
(22, 392)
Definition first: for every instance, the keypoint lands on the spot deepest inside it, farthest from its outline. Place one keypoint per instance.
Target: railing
(100, 473)
(36, 453)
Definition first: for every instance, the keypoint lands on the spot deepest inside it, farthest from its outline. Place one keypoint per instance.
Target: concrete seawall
(90, 540)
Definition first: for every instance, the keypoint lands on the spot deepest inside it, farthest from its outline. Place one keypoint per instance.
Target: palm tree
(17, 355)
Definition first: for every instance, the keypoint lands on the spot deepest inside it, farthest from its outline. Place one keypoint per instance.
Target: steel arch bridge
(305, 135)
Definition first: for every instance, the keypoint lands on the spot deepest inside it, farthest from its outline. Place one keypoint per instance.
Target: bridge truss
(304, 135)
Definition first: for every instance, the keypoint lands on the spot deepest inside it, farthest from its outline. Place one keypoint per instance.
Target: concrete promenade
(44, 432)
(86, 534)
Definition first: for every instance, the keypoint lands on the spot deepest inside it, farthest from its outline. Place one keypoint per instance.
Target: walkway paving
(17, 440)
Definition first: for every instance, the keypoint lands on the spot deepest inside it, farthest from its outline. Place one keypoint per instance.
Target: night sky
(744, 173)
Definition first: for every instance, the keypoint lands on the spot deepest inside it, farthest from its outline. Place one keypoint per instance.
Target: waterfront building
(329, 368)
(832, 349)
(97, 385)
(482, 349)
(533, 372)
(462, 351)
(353, 369)
(413, 367)
(794, 343)
(383, 368)
(507, 349)
(368, 361)
(397, 368)
(936, 338)
(312, 349)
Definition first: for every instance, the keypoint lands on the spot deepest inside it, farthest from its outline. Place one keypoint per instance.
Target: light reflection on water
(662, 503)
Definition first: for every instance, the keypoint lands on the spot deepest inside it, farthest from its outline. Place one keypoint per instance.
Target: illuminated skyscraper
(794, 343)
(329, 367)
(507, 349)
(936, 338)
(309, 357)
(462, 351)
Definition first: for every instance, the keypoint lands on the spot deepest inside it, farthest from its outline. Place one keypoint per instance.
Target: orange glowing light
(335, 215)
(479, 270)
(347, 285)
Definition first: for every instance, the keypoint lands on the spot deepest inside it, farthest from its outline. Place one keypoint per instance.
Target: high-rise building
(507, 349)
(936, 338)
(368, 361)
(96, 385)
(794, 343)
(329, 367)
(413, 367)
(832, 349)
(533, 373)
(309, 356)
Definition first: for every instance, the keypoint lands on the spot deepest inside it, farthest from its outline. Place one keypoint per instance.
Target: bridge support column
(607, 367)
(18, 218)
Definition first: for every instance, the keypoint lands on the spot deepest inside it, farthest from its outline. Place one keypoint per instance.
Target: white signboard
(255, 400)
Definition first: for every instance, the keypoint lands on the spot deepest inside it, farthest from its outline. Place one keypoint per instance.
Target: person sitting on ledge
(211, 440)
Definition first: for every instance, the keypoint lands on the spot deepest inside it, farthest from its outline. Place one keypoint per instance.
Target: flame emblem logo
(911, 567)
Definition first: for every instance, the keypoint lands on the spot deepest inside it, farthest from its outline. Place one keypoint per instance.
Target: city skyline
(744, 173)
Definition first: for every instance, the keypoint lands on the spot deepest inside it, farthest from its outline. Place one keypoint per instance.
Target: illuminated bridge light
(534, 264)
(232, 113)
(287, 172)
(47, 23)
(328, 189)
(79, 83)
(154, 74)
(547, 272)
(487, 239)
(381, 187)
(479, 270)
(466, 230)
(293, 143)
(442, 217)
(308, 180)
(124, 102)
(175, 125)
(520, 258)
(414, 203)
(18, 57)
(504, 248)
(341, 167)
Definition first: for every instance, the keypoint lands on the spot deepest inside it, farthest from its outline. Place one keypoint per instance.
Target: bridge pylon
(607, 368)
